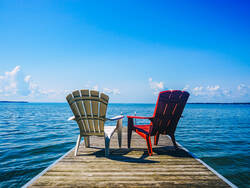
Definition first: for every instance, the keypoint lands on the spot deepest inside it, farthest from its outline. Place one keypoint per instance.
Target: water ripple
(34, 135)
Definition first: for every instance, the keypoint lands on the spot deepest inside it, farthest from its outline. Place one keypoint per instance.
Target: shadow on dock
(125, 167)
(122, 154)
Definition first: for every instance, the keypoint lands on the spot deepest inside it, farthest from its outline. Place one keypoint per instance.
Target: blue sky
(131, 50)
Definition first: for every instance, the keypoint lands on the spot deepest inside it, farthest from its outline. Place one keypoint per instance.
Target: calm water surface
(34, 135)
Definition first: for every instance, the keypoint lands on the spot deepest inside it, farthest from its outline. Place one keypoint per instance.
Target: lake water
(34, 135)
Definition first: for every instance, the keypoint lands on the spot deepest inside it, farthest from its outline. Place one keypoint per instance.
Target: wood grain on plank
(129, 167)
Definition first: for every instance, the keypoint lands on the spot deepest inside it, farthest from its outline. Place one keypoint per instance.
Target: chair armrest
(118, 127)
(140, 117)
(115, 118)
(72, 118)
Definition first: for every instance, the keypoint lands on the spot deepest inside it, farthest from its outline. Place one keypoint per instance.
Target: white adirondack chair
(89, 109)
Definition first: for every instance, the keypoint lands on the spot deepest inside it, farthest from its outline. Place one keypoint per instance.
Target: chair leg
(148, 140)
(77, 144)
(119, 132)
(129, 137)
(173, 140)
(130, 129)
(86, 141)
(107, 141)
(120, 138)
(156, 139)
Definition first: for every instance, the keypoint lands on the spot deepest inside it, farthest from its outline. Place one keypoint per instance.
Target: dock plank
(128, 167)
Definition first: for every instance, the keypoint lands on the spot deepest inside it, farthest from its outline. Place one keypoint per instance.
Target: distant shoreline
(14, 102)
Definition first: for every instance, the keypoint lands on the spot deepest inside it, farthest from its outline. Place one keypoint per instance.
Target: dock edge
(193, 155)
(209, 167)
(46, 169)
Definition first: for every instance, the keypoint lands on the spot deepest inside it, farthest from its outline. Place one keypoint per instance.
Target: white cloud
(14, 83)
(95, 87)
(199, 88)
(243, 89)
(198, 91)
(156, 86)
(186, 87)
(213, 88)
(90, 85)
(226, 92)
(212, 92)
(66, 92)
(13, 72)
(111, 91)
(27, 78)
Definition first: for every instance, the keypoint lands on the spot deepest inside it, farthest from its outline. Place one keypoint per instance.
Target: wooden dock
(129, 167)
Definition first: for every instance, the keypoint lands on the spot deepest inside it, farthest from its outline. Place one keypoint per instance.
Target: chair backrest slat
(89, 108)
(78, 101)
(168, 110)
(76, 111)
(94, 107)
(103, 109)
(182, 98)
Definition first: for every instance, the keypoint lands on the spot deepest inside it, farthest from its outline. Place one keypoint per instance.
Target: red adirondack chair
(168, 110)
